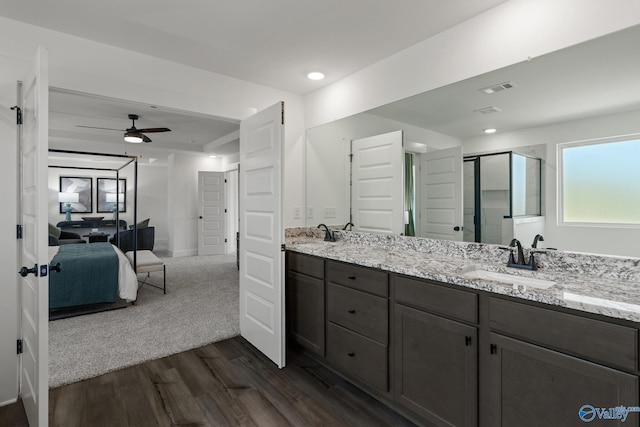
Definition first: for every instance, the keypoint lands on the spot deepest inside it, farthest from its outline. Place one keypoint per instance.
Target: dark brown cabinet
(531, 386)
(435, 368)
(450, 356)
(358, 323)
(305, 301)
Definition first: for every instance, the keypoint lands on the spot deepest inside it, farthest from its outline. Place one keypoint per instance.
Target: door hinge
(225, 211)
(19, 347)
(225, 240)
(18, 114)
(282, 247)
(282, 111)
(225, 180)
(19, 231)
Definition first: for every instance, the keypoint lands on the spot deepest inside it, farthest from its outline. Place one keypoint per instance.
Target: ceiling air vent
(487, 110)
(497, 88)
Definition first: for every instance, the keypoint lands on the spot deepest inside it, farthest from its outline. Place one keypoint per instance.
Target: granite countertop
(594, 293)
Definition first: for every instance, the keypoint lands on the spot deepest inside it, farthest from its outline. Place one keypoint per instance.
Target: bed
(90, 274)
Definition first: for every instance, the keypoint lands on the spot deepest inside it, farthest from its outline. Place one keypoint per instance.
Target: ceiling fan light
(134, 138)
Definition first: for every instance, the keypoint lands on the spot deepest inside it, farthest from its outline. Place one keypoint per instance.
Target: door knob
(55, 267)
(200, 217)
(458, 228)
(24, 271)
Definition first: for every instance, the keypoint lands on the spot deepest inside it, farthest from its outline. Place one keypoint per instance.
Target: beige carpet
(200, 307)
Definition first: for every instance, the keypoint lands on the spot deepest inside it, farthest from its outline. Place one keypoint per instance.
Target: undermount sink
(510, 279)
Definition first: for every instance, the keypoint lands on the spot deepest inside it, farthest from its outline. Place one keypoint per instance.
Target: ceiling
(273, 43)
(190, 132)
(594, 78)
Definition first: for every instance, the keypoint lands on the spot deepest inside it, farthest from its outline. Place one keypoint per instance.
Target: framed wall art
(107, 195)
(83, 187)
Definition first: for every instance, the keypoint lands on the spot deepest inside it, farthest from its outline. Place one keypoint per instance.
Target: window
(600, 182)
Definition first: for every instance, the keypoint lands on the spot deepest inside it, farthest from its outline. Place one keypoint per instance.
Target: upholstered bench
(147, 262)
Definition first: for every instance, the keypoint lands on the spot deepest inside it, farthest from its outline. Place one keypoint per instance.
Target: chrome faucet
(537, 239)
(328, 235)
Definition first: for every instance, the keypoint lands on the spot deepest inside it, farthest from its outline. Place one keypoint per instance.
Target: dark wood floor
(223, 384)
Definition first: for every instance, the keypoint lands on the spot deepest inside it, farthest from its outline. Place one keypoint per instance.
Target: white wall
(153, 183)
(609, 240)
(9, 244)
(86, 66)
(183, 201)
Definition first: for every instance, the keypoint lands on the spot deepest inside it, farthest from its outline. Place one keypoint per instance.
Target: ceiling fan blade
(95, 127)
(145, 138)
(151, 130)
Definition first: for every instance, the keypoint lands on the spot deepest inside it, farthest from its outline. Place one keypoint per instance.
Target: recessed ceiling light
(490, 130)
(213, 156)
(316, 75)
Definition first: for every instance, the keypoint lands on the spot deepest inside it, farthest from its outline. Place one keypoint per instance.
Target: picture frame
(82, 185)
(106, 190)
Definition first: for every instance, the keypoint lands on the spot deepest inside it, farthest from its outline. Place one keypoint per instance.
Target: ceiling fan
(133, 134)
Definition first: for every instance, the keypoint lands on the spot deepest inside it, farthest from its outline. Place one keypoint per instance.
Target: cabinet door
(534, 386)
(435, 369)
(305, 307)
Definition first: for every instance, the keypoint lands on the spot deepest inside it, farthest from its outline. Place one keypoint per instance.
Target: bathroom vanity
(404, 320)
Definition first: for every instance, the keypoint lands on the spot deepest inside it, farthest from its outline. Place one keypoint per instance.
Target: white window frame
(560, 182)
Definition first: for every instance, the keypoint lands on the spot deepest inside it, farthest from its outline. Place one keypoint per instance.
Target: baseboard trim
(183, 253)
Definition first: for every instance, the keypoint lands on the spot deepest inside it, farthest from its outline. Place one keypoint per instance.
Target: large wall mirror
(585, 94)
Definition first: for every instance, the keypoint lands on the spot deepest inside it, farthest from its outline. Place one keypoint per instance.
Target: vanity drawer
(436, 298)
(594, 339)
(356, 277)
(306, 264)
(357, 355)
(361, 312)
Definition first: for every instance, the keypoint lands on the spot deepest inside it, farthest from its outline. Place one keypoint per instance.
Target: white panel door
(442, 214)
(34, 374)
(211, 203)
(377, 193)
(261, 232)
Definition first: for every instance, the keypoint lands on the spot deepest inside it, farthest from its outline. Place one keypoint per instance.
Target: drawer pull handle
(351, 354)
(493, 349)
(352, 277)
(467, 340)
(352, 311)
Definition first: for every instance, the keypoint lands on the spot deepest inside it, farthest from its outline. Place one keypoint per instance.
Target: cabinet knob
(352, 277)
(351, 354)
(352, 311)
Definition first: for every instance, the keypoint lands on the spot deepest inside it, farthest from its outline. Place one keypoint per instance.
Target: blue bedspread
(89, 275)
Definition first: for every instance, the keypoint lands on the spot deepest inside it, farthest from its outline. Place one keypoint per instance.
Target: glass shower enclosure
(497, 188)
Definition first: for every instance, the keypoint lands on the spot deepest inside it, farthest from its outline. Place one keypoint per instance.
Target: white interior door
(261, 232)
(211, 201)
(34, 374)
(377, 193)
(441, 198)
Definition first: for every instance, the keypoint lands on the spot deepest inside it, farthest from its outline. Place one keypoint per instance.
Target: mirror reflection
(458, 182)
